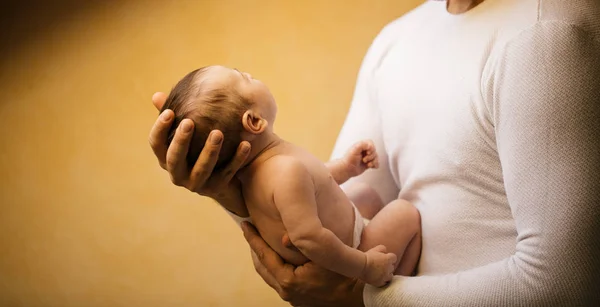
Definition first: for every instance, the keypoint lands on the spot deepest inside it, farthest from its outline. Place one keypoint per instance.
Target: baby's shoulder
(273, 174)
(286, 165)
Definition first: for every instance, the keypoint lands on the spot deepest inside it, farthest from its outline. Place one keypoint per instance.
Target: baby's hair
(210, 109)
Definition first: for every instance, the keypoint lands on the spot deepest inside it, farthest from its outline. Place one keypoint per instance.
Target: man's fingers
(159, 99)
(264, 274)
(158, 136)
(208, 158)
(268, 257)
(240, 157)
(177, 152)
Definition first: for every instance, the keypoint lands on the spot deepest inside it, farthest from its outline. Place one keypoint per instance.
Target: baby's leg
(365, 198)
(398, 227)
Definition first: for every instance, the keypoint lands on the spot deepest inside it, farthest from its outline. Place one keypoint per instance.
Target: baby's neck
(263, 147)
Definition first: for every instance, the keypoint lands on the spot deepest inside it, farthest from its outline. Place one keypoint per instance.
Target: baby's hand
(361, 157)
(379, 269)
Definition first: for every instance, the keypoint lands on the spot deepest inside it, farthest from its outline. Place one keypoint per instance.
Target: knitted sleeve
(543, 92)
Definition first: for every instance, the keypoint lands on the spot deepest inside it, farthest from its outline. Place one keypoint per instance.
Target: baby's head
(220, 98)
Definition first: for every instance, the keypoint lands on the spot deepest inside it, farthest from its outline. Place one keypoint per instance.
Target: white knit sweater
(489, 123)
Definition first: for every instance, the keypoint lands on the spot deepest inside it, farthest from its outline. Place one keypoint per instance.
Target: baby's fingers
(389, 278)
(358, 148)
(375, 163)
(385, 279)
(369, 156)
(370, 145)
(379, 248)
(391, 258)
(371, 161)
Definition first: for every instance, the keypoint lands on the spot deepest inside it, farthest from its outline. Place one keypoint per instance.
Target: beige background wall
(87, 216)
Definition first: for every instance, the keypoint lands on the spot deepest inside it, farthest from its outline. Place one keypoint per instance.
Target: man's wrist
(358, 290)
(234, 205)
(355, 289)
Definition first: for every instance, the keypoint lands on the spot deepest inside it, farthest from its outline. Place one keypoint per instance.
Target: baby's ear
(253, 122)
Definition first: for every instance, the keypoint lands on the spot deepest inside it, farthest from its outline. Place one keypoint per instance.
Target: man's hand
(305, 285)
(361, 157)
(221, 186)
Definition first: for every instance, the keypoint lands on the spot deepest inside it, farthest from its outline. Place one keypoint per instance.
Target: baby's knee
(407, 212)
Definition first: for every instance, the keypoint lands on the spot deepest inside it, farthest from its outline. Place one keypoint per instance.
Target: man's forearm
(234, 203)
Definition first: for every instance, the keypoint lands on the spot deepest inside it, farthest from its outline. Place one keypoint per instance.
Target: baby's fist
(361, 157)
(380, 266)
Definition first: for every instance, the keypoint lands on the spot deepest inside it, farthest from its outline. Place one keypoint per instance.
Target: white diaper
(359, 225)
(238, 220)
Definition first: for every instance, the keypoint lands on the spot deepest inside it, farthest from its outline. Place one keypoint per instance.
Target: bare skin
(270, 156)
(311, 284)
(307, 284)
(222, 186)
(288, 191)
(461, 6)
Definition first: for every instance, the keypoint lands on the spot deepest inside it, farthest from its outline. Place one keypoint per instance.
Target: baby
(293, 198)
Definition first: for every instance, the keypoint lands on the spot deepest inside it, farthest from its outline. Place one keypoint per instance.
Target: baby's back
(334, 208)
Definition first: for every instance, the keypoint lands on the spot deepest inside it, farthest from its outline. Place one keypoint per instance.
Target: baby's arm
(294, 197)
(358, 159)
